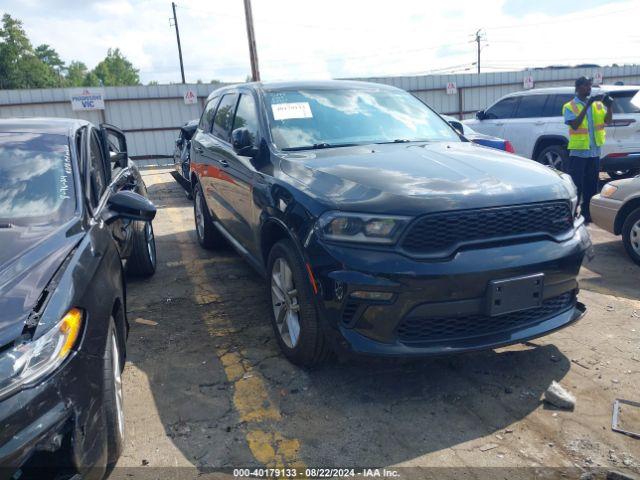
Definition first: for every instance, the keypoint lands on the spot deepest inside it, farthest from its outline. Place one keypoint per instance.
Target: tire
(618, 174)
(207, 234)
(306, 347)
(112, 393)
(631, 235)
(142, 262)
(554, 156)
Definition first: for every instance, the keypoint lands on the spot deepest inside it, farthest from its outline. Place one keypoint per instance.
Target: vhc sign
(88, 99)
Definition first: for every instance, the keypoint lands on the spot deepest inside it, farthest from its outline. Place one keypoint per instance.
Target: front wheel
(554, 156)
(113, 395)
(294, 317)
(631, 235)
(142, 262)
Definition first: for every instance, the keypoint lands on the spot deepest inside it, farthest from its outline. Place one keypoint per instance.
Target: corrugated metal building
(151, 115)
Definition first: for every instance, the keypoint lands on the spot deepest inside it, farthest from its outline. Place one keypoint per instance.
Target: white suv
(532, 121)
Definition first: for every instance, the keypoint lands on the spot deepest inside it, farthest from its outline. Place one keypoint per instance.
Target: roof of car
(52, 125)
(309, 84)
(548, 90)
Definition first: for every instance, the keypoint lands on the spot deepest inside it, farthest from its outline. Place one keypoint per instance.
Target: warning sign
(190, 97)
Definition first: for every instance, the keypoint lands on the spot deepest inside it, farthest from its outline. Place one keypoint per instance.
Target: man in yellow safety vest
(586, 117)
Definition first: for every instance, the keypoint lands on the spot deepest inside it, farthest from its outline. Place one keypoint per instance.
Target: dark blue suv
(381, 230)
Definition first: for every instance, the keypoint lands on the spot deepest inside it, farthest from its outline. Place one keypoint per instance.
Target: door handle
(198, 149)
(499, 124)
(223, 163)
(538, 123)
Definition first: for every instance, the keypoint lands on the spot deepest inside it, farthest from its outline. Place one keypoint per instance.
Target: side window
(555, 103)
(247, 117)
(531, 106)
(207, 116)
(224, 116)
(503, 109)
(97, 175)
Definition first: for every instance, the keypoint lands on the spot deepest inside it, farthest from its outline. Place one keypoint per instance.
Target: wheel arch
(623, 213)
(271, 232)
(547, 141)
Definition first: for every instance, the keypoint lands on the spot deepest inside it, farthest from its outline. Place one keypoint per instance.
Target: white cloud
(331, 38)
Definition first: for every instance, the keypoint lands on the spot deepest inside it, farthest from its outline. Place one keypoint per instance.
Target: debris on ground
(557, 396)
(144, 321)
(488, 446)
(632, 409)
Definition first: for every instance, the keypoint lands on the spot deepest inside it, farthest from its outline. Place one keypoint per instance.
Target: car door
(495, 117)
(527, 124)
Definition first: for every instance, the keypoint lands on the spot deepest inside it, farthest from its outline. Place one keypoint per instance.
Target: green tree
(153, 82)
(76, 73)
(14, 44)
(116, 70)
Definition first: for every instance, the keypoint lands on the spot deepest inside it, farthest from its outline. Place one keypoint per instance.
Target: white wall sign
(88, 99)
(452, 89)
(597, 78)
(527, 82)
(190, 97)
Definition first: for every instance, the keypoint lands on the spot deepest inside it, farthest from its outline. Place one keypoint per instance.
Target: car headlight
(364, 228)
(573, 191)
(29, 361)
(608, 190)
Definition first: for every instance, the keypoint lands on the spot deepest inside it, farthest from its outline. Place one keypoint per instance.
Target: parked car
(182, 155)
(532, 120)
(73, 218)
(617, 210)
(479, 138)
(379, 228)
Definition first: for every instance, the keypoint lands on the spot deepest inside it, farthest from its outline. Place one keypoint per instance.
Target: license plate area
(515, 294)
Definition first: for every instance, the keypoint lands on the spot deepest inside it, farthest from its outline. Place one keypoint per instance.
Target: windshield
(301, 119)
(36, 178)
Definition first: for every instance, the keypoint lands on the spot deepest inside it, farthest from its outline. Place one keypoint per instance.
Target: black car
(182, 155)
(73, 219)
(379, 228)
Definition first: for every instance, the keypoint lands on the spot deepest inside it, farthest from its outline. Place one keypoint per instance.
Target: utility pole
(175, 24)
(478, 42)
(253, 51)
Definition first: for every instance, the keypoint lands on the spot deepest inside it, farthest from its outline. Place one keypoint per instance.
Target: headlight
(608, 190)
(29, 361)
(355, 227)
(573, 191)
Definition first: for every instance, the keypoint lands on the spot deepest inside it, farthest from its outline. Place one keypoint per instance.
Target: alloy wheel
(634, 237)
(117, 382)
(553, 160)
(284, 298)
(199, 215)
(151, 244)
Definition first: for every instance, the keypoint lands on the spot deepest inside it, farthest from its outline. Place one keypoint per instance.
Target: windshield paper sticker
(286, 111)
(64, 182)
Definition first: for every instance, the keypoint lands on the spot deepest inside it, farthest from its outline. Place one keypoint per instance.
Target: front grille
(443, 232)
(414, 329)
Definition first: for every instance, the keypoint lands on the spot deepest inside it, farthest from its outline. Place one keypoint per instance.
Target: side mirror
(458, 126)
(131, 205)
(481, 115)
(120, 159)
(242, 142)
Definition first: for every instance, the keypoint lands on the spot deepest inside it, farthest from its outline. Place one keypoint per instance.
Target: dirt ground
(207, 389)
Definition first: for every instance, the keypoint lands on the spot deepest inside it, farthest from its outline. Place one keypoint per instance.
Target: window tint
(503, 109)
(207, 116)
(555, 103)
(622, 102)
(246, 116)
(97, 177)
(531, 106)
(224, 116)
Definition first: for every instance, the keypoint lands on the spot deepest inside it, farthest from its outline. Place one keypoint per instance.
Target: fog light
(362, 295)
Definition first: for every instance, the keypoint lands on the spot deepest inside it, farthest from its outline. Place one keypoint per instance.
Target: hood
(421, 178)
(29, 257)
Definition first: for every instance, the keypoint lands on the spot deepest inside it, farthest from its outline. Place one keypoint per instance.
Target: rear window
(36, 178)
(623, 104)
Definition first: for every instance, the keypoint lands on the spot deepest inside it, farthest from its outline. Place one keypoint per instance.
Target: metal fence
(151, 115)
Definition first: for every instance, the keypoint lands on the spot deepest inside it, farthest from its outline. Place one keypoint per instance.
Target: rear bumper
(434, 297)
(629, 161)
(604, 212)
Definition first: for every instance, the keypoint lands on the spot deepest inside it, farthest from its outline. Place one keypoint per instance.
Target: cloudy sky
(305, 39)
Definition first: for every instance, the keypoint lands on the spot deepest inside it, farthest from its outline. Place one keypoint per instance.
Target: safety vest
(579, 138)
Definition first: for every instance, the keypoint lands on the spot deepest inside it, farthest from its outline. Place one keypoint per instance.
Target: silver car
(617, 210)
